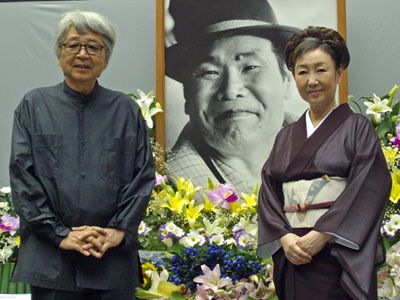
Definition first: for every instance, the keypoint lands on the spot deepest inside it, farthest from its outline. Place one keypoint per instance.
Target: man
(228, 57)
(81, 173)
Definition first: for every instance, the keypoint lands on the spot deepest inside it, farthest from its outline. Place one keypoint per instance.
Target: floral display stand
(8, 287)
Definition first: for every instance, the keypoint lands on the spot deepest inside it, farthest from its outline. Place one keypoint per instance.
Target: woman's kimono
(344, 145)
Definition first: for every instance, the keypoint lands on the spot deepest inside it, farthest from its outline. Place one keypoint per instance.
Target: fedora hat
(199, 21)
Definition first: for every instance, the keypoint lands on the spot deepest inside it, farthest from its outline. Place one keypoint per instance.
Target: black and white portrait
(228, 90)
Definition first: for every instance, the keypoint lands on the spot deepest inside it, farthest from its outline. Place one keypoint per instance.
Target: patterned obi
(307, 200)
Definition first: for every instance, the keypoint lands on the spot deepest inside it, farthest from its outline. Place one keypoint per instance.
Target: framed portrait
(174, 91)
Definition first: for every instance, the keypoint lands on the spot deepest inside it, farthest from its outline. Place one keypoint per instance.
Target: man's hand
(313, 241)
(99, 240)
(74, 241)
(293, 252)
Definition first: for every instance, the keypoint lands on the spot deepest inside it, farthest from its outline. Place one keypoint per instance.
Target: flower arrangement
(211, 245)
(385, 119)
(9, 239)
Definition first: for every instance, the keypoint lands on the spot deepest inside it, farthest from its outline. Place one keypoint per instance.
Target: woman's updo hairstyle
(312, 38)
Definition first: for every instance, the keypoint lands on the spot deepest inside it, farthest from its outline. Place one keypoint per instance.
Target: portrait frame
(161, 129)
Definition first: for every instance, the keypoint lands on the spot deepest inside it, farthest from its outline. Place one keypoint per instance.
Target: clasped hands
(300, 250)
(92, 240)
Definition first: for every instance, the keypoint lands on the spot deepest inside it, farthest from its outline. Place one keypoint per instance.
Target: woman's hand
(293, 252)
(313, 241)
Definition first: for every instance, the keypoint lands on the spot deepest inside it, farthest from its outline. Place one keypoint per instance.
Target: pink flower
(9, 223)
(223, 195)
(160, 179)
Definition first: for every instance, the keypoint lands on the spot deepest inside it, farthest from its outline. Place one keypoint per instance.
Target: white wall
(373, 28)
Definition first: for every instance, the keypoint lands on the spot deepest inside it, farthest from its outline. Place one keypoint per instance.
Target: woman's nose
(313, 79)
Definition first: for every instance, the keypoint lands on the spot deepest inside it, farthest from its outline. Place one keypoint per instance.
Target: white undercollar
(309, 125)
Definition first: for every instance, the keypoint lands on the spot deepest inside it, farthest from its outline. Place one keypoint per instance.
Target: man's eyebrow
(249, 53)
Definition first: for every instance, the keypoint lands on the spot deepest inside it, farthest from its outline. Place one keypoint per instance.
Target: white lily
(377, 106)
(5, 190)
(145, 101)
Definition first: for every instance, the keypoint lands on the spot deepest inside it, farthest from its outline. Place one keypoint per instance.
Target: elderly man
(81, 173)
(228, 56)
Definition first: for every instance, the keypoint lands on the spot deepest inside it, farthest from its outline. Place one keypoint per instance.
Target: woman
(325, 184)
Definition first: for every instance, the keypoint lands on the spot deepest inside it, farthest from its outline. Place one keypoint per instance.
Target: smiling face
(235, 93)
(81, 69)
(316, 78)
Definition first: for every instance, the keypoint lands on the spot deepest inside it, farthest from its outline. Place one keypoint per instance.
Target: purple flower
(9, 223)
(395, 141)
(223, 195)
(164, 233)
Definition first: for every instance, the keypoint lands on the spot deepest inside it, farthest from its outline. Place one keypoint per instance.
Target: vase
(158, 257)
(8, 287)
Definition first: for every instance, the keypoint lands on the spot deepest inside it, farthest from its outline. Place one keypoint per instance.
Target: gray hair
(83, 22)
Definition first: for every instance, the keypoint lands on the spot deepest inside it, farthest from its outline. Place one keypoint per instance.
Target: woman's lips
(314, 93)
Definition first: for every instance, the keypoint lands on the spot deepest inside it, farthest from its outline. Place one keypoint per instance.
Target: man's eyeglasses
(75, 47)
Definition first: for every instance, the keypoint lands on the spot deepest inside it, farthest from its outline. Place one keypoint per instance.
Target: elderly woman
(325, 184)
(81, 172)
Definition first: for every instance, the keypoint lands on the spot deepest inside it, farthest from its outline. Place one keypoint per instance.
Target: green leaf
(175, 249)
(395, 109)
(177, 296)
(383, 128)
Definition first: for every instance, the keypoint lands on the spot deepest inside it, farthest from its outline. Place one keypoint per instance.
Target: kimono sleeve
(272, 223)
(28, 195)
(361, 206)
(135, 197)
(358, 212)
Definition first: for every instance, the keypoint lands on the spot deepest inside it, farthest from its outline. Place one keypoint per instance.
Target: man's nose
(232, 85)
(82, 51)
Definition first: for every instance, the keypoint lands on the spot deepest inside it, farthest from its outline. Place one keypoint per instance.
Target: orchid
(223, 195)
(160, 179)
(148, 106)
(9, 224)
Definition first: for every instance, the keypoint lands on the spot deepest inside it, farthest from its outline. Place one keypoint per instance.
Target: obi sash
(307, 200)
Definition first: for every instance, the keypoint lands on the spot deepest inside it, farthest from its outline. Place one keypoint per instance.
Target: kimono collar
(80, 97)
(304, 148)
(309, 125)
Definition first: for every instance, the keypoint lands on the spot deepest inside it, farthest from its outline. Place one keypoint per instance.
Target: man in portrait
(228, 57)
